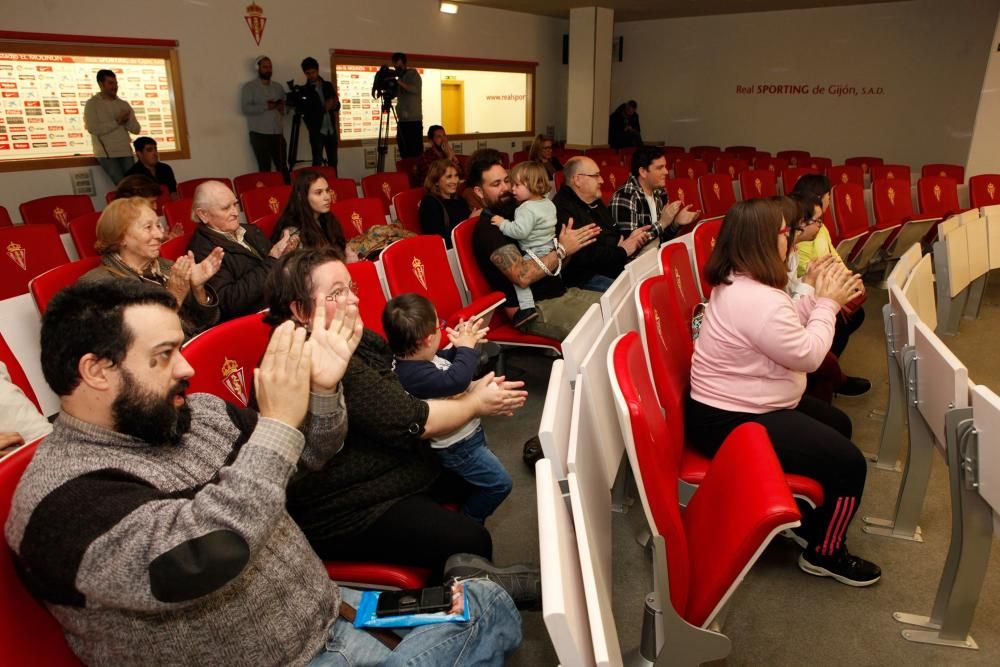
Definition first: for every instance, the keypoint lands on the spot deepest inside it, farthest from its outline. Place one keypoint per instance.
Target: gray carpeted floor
(781, 616)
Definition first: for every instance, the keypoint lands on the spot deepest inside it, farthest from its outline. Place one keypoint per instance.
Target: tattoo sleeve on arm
(522, 272)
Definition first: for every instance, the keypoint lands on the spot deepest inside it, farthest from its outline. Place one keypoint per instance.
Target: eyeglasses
(597, 175)
(339, 295)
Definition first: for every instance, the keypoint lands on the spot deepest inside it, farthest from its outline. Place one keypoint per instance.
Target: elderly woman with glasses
(129, 237)
(379, 499)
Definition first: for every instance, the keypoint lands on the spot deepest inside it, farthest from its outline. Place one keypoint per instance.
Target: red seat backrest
(266, 224)
(675, 260)
(864, 161)
(407, 205)
(706, 153)
(45, 285)
(673, 152)
(684, 190)
(791, 175)
(31, 635)
(757, 183)
(775, 165)
(563, 154)
(846, 173)
(984, 190)
(889, 171)
(83, 231)
(357, 215)
(690, 168)
(258, 202)
(559, 178)
(225, 356)
(371, 298)
(732, 150)
(472, 276)
(56, 210)
(178, 246)
(705, 235)
(937, 196)
(519, 156)
(329, 173)
(504, 160)
(257, 179)
(408, 166)
(28, 250)
(384, 186)
(420, 264)
(794, 158)
(954, 171)
(716, 194)
(820, 164)
(730, 166)
(5, 220)
(891, 201)
(342, 189)
(185, 189)
(180, 216)
(614, 176)
(17, 375)
(604, 157)
(848, 201)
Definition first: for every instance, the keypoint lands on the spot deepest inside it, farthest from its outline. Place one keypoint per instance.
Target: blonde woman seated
(129, 237)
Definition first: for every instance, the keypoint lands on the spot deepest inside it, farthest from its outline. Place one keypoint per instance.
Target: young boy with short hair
(414, 332)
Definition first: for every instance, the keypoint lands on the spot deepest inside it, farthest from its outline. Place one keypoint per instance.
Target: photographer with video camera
(409, 113)
(263, 103)
(319, 105)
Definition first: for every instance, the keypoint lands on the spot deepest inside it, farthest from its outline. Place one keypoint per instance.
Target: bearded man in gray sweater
(152, 524)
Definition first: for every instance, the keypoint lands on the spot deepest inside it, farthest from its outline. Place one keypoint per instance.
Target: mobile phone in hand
(413, 601)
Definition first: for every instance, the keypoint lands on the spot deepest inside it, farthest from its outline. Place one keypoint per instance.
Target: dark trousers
(270, 149)
(813, 440)
(844, 328)
(416, 530)
(410, 138)
(318, 142)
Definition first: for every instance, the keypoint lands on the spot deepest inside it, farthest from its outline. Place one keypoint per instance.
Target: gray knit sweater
(178, 555)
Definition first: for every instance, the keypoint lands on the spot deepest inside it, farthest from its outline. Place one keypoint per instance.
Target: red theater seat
(407, 205)
(371, 297)
(794, 158)
(357, 215)
(692, 168)
(953, 171)
(818, 164)
(604, 157)
(180, 218)
(44, 286)
(31, 636)
(329, 173)
(614, 176)
(177, 246)
(716, 194)
(83, 232)
(791, 175)
(28, 251)
(706, 153)
(258, 202)
(705, 235)
(846, 173)
(5, 220)
(775, 165)
(938, 196)
(55, 210)
(889, 171)
(385, 186)
(257, 179)
(984, 190)
(409, 166)
(866, 162)
(730, 166)
(894, 210)
(501, 328)
(342, 189)
(757, 183)
(684, 190)
(185, 189)
(19, 378)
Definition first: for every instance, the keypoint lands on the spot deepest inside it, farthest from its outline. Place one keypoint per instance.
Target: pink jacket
(756, 346)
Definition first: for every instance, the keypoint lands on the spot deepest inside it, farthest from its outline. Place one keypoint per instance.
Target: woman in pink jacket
(750, 362)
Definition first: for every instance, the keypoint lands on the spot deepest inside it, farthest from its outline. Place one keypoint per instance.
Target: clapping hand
(283, 245)
(203, 271)
(333, 343)
(573, 239)
(815, 268)
(282, 380)
(496, 396)
(179, 279)
(686, 215)
(467, 334)
(837, 282)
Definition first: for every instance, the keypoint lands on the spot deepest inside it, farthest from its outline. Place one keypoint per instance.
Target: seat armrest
(481, 308)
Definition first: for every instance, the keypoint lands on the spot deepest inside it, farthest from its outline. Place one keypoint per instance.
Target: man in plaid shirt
(643, 201)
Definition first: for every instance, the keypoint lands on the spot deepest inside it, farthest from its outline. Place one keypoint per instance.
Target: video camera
(385, 85)
(301, 97)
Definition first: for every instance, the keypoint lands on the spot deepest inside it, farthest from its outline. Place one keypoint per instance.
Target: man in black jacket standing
(321, 115)
(597, 265)
(249, 256)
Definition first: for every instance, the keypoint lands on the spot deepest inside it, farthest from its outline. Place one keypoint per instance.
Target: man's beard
(148, 417)
(266, 76)
(504, 205)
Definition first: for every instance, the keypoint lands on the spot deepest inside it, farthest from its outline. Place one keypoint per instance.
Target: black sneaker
(523, 316)
(532, 451)
(842, 566)
(854, 386)
(522, 582)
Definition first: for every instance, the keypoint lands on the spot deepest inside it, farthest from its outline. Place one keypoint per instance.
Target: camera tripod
(383, 133)
(293, 141)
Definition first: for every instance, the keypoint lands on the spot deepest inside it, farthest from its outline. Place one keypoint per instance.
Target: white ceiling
(637, 10)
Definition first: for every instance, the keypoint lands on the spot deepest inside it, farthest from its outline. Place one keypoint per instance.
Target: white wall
(928, 56)
(217, 53)
(984, 155)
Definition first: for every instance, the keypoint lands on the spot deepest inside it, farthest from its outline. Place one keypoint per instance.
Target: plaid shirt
(630, 209)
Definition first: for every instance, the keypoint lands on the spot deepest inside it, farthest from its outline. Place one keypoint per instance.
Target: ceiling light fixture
(449, 8)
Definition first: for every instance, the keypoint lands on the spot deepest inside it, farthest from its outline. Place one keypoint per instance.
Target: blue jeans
(475, 463)
(115, 167)
(492, 632)
(597, 283)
